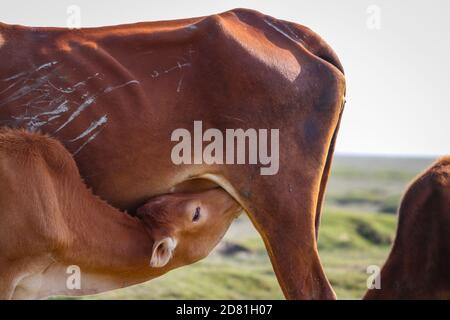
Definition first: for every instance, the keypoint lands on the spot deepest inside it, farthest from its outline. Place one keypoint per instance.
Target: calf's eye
(196, 215)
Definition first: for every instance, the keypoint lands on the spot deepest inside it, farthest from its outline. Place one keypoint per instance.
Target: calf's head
(185, 227)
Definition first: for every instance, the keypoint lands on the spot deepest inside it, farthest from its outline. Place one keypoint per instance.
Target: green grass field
(371, 183)
(349, 242)
(357, 230)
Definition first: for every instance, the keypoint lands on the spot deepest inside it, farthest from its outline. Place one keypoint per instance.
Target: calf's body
(49, 221)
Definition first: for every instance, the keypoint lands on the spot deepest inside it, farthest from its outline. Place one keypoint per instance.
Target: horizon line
(388, 155)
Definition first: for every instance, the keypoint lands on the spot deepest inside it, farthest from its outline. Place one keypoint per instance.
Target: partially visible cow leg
(289, 235)
(283, 209)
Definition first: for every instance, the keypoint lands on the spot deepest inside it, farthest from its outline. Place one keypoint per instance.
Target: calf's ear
(162, 252)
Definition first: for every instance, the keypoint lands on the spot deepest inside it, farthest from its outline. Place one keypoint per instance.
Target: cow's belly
(117, 127)
(132, 187)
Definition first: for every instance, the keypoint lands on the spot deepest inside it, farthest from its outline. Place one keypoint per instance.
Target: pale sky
(398, 87)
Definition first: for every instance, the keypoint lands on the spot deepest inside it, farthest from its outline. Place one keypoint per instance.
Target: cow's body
(419, 263)
(114, 95)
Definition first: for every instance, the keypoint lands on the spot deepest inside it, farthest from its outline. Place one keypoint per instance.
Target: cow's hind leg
(283, 207)
(288, 231)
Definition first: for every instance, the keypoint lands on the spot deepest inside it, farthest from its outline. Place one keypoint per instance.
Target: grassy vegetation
(354, 234)
(349, 242)
(371, 183)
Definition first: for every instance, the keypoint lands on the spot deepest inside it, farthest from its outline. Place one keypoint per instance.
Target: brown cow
(49, 221)
(419, 263)
(114, 95)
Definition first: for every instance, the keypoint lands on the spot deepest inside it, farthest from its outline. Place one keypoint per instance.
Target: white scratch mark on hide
(294, 33)
(179, 85)
(54, 117)
(72, 88)
(279, 30)
(62, 90)
(109, 89)
(59, 109)
(23, 91)
(24, 73)
(86, 142)
(43, 98)
(40, 83)
(23, 77)
(92, 127)
(15, 76)
(46, 65)
(90, 100)
(178, 66)
(35, 121)
(10, 86)
(34, 125)
(155, 74)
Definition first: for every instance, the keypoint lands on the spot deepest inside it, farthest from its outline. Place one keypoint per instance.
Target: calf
(52, 227)
(419, 263)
